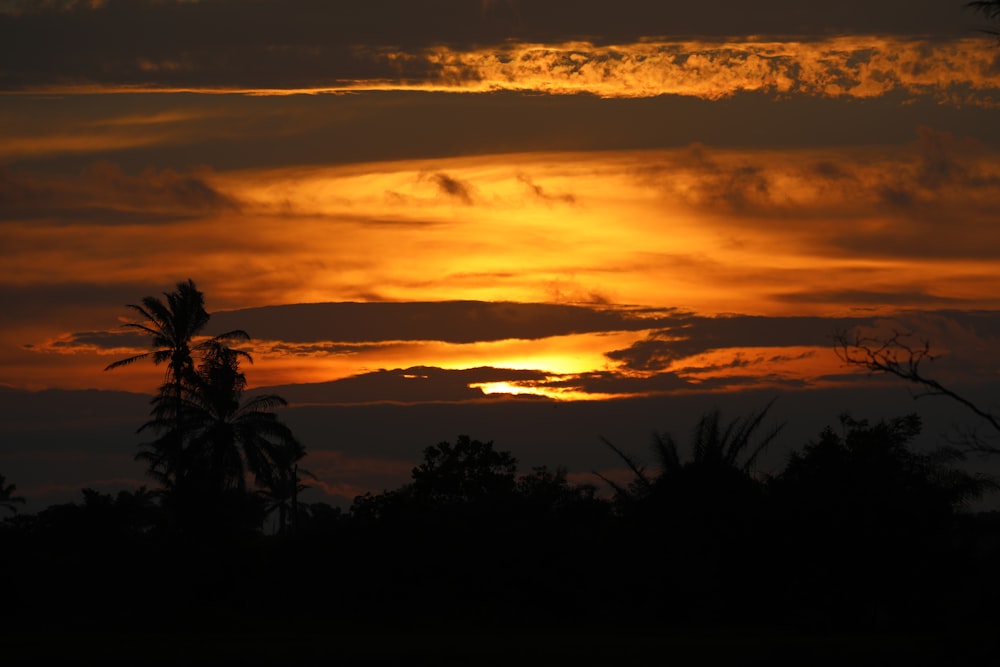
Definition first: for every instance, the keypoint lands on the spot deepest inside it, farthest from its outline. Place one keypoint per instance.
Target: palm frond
(621, 492)
(637, 469)
(126, 362)
(666, 451)
(264, 403)
(988, 8)
(155, 311)
(235, 334)
(156, 334)
(745, 432)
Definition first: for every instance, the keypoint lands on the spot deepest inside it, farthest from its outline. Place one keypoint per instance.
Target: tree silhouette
(173, 324)
(549, 492)
(8, 500)
(467, 481)
(210, 438)
(867, 518)
(896, 355)
(695, 525)
(280, 491)
(872, 469)
(717, 451)
(468, 472)
(225, 437)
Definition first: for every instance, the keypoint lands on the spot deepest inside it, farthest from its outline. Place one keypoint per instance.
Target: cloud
(21, 7)
(342, 477)
(863, 297)
(101, 342)
(420, 384)
(937, 169)
(103, 192)
(539, 192)
(651, 354)
(870, 202)
(452, 187)
(448, 321)
(640, 49)
(965, 345)
(154, 189)
(612, 383)
(695, 335)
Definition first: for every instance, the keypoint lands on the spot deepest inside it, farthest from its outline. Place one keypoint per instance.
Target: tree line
(859, 529)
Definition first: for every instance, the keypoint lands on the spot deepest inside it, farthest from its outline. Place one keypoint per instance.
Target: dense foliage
(859, 531)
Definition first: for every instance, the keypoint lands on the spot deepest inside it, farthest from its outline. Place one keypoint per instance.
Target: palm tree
(225, 436)
(281, 494)
(698, 526)
(718, 452)
(173, 326)
(8, 500)
(233, 435)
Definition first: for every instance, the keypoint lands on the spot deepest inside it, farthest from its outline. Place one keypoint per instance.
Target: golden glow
(529, 389)
(805, 232)
(852, 66)
(512, 388)
(861, 66)
(558, 355)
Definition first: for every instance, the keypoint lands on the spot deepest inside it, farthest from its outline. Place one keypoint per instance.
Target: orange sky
(757, 232)
(710, 193)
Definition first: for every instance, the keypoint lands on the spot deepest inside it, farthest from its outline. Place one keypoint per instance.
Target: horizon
(428, 219)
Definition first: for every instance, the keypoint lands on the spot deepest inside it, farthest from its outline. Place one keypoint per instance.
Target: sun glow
(559, 393)
(807, 232)
(557, 355)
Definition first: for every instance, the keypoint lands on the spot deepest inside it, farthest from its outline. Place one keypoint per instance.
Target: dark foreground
(859, 553)
(316, 644)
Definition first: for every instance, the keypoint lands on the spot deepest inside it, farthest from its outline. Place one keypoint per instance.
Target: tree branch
(896, 356)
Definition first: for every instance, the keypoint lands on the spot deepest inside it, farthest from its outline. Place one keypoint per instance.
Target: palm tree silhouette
(281, 494)
(173, 326)
(690, 520)
(226, 437)
(717, 451)
(8, 500)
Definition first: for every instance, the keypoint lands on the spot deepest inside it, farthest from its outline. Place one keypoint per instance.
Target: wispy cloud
(856, 66)
(103, 191)
(959, 71)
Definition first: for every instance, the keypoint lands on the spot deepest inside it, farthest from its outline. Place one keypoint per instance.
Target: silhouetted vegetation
(210, 438)
(860, 534)
(990, 9)
(896, 355)
(8, 500)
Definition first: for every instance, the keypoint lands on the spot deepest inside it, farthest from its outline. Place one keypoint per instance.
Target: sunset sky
(531, 221)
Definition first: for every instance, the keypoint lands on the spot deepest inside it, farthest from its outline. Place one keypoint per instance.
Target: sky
(537, 223)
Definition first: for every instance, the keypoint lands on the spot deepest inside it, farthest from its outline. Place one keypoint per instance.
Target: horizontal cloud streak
(856, 66)
(454, 322)
(309, 44)
(104, 192)
(959, 71)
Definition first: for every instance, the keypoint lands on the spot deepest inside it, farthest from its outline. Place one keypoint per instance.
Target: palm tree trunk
(295, 499)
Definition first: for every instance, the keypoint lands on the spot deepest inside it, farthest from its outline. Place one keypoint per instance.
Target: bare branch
(895, 355)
